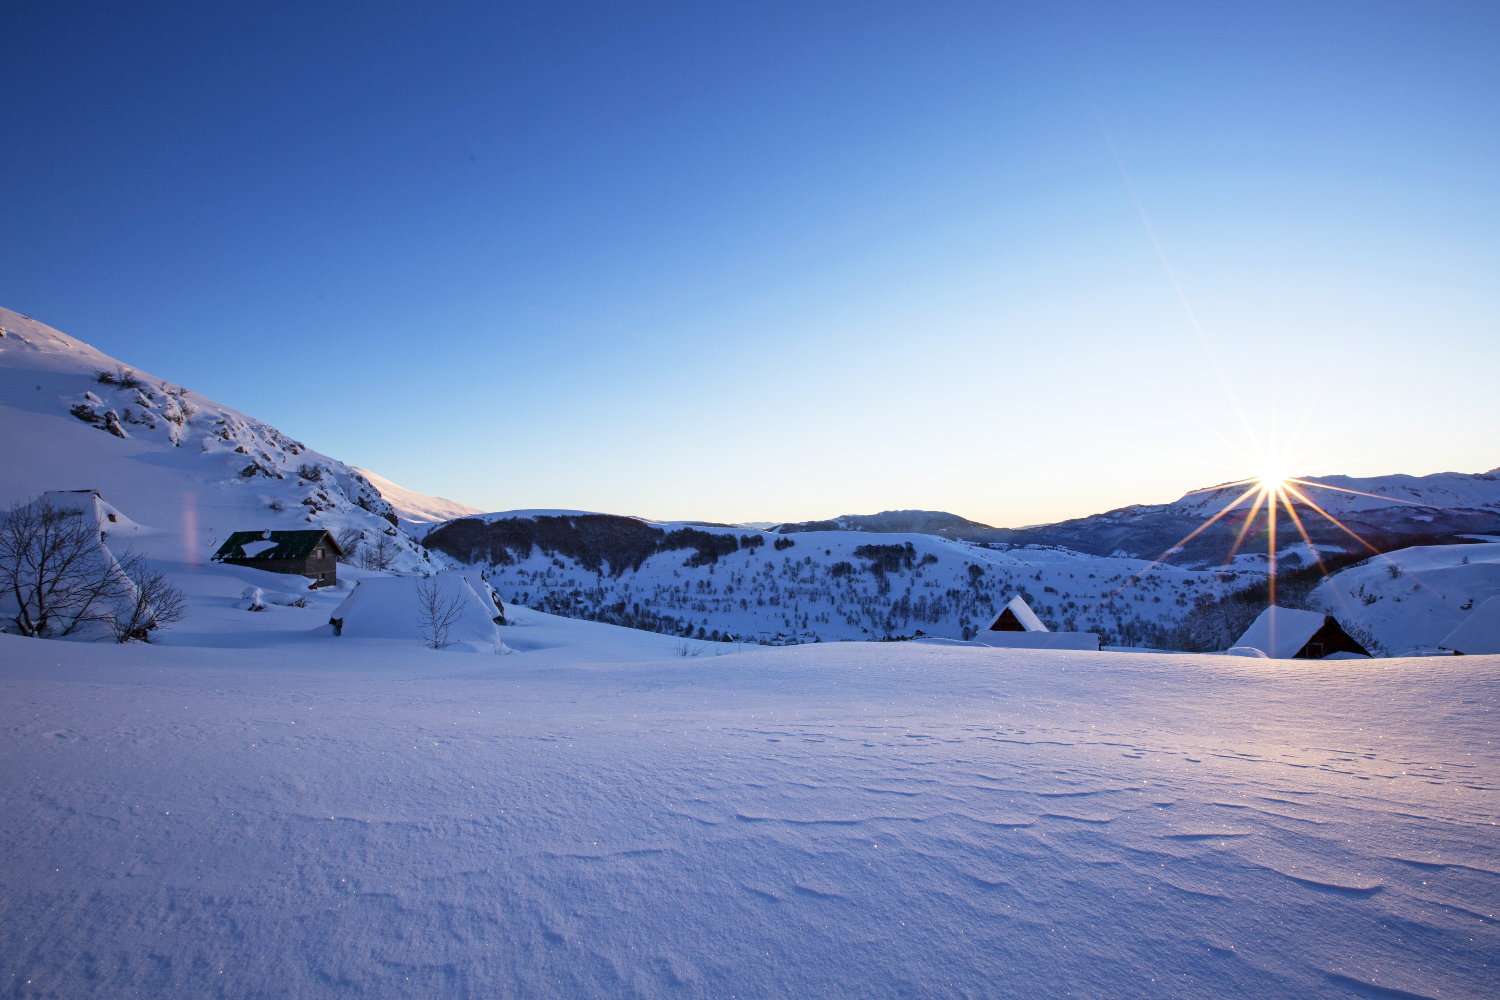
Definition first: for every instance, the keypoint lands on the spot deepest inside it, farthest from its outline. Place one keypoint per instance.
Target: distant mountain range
(1388, 512)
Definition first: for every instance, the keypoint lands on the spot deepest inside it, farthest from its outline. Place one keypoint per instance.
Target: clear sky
(776, 262)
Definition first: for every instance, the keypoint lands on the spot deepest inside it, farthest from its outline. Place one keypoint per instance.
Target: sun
(1273, 480)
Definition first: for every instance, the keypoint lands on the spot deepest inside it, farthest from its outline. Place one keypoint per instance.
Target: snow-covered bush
(155, 603)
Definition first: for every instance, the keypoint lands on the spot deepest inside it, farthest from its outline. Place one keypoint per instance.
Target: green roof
(289, 544)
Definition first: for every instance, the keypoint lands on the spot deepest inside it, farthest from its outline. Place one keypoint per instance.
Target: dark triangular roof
(1017, 616)
(289, 544)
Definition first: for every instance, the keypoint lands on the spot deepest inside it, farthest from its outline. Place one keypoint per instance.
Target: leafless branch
(437, 613)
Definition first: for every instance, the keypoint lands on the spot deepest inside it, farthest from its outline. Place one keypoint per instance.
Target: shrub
(155, 604)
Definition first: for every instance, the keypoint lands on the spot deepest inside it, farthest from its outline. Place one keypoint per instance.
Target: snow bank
(1038, 640)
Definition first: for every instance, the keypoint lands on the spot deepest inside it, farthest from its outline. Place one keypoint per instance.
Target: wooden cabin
(312, 553)
(1293, 634)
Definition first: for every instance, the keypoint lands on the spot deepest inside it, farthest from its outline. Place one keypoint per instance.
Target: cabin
(312, 553)
(1290, 634)
(91, 504)
(1477, 634)
(1018, 627)
(1016, 616)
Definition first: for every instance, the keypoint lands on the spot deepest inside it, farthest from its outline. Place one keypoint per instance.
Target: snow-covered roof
(1281, 633)
(1478, 633)
(476, 581)
(389, 608)
(92, 504)
(266, 544)
(1021, 614)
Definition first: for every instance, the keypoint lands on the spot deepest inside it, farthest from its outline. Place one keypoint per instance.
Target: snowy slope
(1410, 599)
(168, 458)
(818, 586)
(841, 821)
(418, 513)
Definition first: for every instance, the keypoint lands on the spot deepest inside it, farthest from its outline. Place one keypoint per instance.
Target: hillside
(1409, 600)
(717, 582)
(417, 513)
(167, 457)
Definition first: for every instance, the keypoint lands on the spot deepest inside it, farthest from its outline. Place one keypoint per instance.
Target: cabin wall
(309, 567)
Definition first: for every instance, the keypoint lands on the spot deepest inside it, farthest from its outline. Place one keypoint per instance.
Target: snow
(1038, 640)
(1477, 633)
(369, 817)
(390, 608)
(481, 588)
(1410, 599)
(253, 549)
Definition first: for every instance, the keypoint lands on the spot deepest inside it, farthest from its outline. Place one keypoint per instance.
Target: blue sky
(763, 262)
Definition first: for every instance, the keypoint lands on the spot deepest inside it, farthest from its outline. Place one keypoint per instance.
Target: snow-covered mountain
(1341, 495)
(1390, 512)
(168, 458)
(417, 512)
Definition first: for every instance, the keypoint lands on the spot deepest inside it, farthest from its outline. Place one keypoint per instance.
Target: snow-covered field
(372, 818)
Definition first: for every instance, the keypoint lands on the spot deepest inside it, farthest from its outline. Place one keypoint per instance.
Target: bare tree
(437, 613)
(381, 554)
(155, 603)
(349, 539)
(53, 562)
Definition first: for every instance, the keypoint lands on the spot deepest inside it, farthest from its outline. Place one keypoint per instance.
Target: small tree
(381, 554)
(52, 561)
(437, 613)
(156, 603)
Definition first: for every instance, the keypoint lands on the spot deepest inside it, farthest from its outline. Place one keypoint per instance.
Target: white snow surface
(326, 817)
